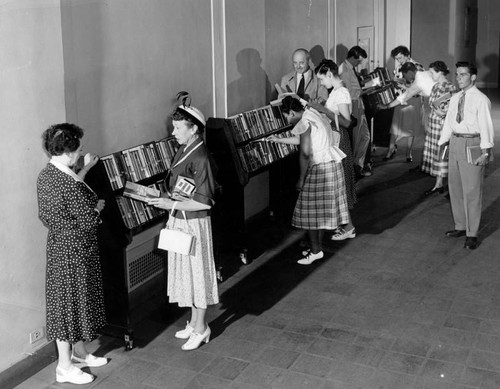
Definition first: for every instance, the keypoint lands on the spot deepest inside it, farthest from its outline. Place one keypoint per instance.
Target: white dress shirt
(477, 118)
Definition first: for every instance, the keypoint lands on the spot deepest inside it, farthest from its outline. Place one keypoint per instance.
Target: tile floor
(400, 306)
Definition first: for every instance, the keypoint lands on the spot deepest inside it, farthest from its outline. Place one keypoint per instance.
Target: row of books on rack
(257, 122)
(383, 95)
(379, 77)
(133, 204)
(259, 153)
(140, 162)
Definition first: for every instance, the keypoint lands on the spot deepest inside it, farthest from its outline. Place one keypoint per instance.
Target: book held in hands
(443, 151)
(473, 153)
(184, 189)
(140, 192)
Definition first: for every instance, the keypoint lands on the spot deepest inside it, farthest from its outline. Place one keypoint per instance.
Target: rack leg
(129, 340)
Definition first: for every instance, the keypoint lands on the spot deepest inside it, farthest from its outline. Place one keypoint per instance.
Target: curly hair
(61, 138)
(327, 65)
(290, 103)
(400, 50)
(439, 66)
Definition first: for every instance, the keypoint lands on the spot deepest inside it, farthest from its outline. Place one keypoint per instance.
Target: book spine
(130, 167)
(116, 172)
(106, 162)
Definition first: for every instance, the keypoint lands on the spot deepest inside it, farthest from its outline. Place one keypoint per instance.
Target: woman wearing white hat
(192, 280)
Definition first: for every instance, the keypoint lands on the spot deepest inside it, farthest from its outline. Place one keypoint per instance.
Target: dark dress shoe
(455, 233)
(434, 190)
(409, 159)
(390, 155)
(471, 243)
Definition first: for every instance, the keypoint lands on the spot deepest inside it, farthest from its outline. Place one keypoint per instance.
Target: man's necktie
(357, 75)
(300, 89)
(460, 112)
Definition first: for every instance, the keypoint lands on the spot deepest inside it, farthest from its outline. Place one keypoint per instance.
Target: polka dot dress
(74, 292)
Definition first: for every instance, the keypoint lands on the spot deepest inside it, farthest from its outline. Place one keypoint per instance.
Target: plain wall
(31, 98)
(125, 61)
(427, 18)
(488, 43)
(438, 32)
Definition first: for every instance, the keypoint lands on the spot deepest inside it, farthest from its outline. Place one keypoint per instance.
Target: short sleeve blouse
(324, 141)
(338, 96)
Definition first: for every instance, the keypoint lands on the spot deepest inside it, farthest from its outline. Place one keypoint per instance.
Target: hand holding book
(184, 189)
(140, 192)
(475, 155)
(443, 153)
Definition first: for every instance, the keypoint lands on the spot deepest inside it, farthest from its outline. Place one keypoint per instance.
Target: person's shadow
(317, 55)
(340, 53)
(252, 89)
(491, 63)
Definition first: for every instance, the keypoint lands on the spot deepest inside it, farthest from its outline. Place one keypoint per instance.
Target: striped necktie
(460, 112)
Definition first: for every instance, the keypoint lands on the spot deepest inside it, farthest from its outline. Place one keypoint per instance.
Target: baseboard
(29, 366)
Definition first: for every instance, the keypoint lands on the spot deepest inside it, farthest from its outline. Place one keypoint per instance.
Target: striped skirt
(322, 203)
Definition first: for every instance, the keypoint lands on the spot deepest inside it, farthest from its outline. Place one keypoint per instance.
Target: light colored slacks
(361, 134)
(465, 182)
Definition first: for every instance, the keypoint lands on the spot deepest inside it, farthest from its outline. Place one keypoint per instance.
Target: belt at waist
(466, 135)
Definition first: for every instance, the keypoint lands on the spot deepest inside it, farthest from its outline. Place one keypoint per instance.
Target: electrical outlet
(36, 335)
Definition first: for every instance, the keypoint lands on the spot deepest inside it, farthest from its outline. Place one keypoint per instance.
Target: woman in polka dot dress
(74, 293)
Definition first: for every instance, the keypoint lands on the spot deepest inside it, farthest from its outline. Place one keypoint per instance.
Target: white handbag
(176, 240)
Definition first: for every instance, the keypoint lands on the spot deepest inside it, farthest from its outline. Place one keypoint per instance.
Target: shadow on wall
(253, 88)
(317, 55)
(341, 53)
(491, 71)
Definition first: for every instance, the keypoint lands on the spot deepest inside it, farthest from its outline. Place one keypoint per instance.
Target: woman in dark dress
(74, 293)
(192, 280)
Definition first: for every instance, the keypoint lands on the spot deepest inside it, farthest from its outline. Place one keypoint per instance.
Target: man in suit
(302, 80)
(467, 126)
(360, 141)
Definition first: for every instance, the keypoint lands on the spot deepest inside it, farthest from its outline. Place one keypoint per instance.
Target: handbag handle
(183, 214)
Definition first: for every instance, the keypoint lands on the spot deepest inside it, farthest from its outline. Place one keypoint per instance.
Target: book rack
(146, 164)
(238, 147)
(245, 137)
(134, 270)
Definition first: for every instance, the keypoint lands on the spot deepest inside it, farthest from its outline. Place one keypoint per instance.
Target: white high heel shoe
(195, 340)
(185, 333)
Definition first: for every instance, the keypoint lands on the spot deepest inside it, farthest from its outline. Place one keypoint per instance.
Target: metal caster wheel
(129, 341)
